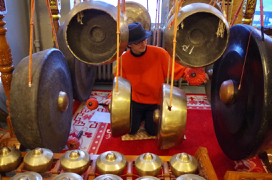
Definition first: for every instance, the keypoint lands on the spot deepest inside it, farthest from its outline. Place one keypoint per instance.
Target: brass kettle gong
(111, 162)
(10, 158)
(148, 164)
(76, 161)
(39, 160)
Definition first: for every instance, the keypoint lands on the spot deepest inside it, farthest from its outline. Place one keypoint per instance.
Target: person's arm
(194, 76)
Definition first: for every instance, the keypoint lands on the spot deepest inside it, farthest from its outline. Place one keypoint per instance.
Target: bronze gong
(187, 2)
(202, 35)
(82, 74)
(120, 107)
(136, 12)
(242, 118)
(171, 120)
(90, 32)
(41, 115)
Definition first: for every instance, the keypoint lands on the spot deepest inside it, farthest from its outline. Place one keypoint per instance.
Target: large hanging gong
(82, 74)
(120, 107)
(202, 35)
(242, 118)
(187, 2)
(41, 115)
(90, 32)
(171, 120)
(136, 12)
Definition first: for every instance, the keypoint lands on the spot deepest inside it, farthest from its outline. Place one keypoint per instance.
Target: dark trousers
(143, 112)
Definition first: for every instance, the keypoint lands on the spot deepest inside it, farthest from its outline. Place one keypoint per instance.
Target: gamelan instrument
(41, 115)
(120, 107)
(111, 162)
(136, 12)
(241, 94)
(202, 35)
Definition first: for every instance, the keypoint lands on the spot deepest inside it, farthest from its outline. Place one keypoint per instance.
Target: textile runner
(97, 138)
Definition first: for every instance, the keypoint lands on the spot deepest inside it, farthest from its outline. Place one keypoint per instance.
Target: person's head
(137, 37)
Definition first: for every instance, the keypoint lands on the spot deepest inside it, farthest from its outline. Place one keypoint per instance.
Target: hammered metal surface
(65, 176)
(202, 35)
(76, 161)
(82, 74)
(29, 175)
(120, 107)
(136, 12)
(10, 158)
(39, 160)
(35, 116)
(91, 32)
(111, 162)
(243, 127)
(172, 122)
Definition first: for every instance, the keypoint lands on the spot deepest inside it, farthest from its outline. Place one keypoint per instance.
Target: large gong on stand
(242, 117)
(41, 115)
(82, 74)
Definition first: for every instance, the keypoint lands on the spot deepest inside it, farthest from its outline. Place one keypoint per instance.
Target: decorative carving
(55, 4)
(3, 9)
(55, 7)
(6, 67)
(248, 11)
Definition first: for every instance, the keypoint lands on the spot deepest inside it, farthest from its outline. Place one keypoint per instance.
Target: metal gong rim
(90, 33)
(187, 2)
(82, 74)
(209, 71)
(27, 175)
(136, 12)
(172, 123)
(41, 115)
(202, 35)
(120, 107)
(243, 125)
(68, 176)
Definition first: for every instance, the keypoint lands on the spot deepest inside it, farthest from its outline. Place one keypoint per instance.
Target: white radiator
(104, 74)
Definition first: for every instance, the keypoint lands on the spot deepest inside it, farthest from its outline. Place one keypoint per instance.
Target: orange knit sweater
(147, 73)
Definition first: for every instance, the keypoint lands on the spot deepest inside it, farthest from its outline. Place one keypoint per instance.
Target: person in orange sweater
(146, 67)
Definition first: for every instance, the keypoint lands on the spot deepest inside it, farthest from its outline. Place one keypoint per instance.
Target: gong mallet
(73, 142)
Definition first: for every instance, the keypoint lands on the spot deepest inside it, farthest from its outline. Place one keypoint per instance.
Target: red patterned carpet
(97, 137)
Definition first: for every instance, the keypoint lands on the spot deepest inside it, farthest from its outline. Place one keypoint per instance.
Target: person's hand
(107, 102)
(206, 78)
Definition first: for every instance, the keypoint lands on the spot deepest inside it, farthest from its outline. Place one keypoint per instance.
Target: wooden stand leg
(6, 67)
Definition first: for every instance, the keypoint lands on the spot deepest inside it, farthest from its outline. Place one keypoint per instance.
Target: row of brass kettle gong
(30, 175)
(40, 160)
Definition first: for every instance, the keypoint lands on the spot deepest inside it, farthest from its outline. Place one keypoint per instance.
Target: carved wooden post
(55, 7)
(248, 11)
(6, 67)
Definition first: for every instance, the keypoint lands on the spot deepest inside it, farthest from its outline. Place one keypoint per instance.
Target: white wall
(18, 26)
